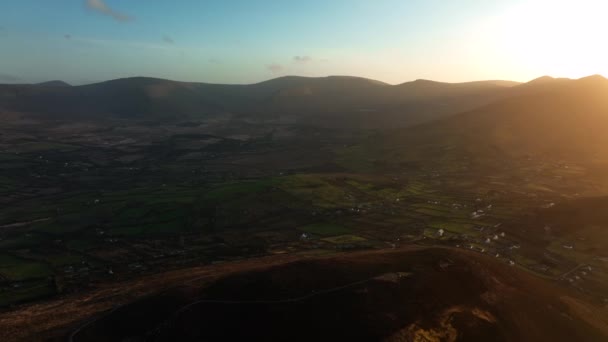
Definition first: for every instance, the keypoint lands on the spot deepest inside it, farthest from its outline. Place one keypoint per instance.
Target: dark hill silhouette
(545, 118)
(352, 295)
(55, 83)
(335, 99)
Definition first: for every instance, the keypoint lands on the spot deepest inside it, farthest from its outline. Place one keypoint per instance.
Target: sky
(248, 41)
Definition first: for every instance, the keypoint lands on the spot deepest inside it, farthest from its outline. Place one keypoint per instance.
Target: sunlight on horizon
(393, 41)
(556, 38)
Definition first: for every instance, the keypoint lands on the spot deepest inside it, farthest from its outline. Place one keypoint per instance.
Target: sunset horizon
(313, 77)
(390, 41)
(321, 170)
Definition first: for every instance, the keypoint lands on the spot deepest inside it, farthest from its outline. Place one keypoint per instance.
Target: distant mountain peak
(425, 81)
(596, 77)
(545, 81)
(548, 79)
(54, 83)
(293, 78)
(597, 83)
(545, 78)
(421, 83)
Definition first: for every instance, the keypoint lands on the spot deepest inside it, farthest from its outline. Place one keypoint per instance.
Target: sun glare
(558, 38)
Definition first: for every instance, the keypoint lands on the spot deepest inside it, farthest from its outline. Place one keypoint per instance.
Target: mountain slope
(559, 118)
(394, 295)
(317, 100)
(55, 83)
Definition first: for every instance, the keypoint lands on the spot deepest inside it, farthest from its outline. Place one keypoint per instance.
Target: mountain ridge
(286, 77)
(334, 100)
(566, 120)
(310, 99)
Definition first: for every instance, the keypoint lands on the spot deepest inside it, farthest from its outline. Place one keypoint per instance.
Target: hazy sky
(244, 41)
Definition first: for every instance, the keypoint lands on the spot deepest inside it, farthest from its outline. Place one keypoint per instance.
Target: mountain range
(546, 117)
(565, 117)
(335, 99)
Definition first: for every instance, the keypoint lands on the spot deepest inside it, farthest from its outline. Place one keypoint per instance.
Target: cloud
(8, 78)
(67, 36)
(274, 68)
(100, 6)
(302, 59)
(112, 43)
(168, 40)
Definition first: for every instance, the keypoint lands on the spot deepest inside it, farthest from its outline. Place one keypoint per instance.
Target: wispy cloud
(274, 68)
(302, 59)
(100, 6)
(168, 40)
(92, 43)
(8, 78)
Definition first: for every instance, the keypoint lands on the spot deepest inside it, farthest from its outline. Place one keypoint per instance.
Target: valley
(98, 211)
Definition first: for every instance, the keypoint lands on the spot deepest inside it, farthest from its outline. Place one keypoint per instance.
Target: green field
(17, 269)
(233, 198)
(231, 190)
(345, 239)
(325, 229)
